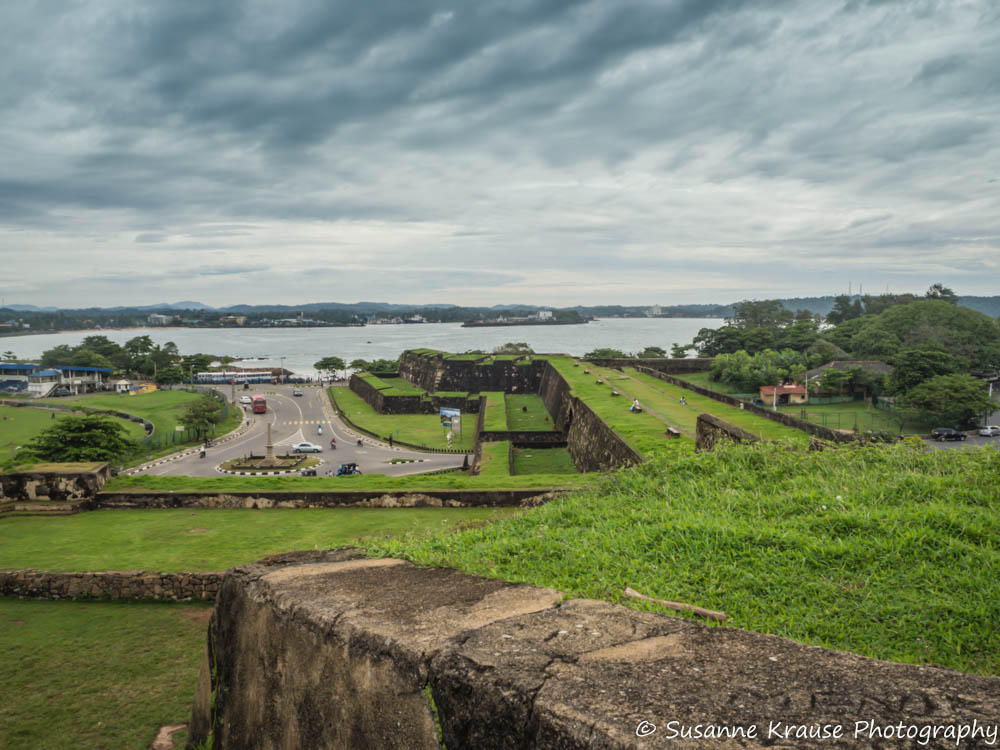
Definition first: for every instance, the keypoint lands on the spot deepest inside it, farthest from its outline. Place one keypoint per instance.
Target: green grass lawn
(162, 408)
(495, 417)
(644, 432)
(543, 461)
(494, 460)
(417, 429)
(850, 414)
(665, 398)
(702, 379)
(527, 412)
(19, 425)
(164, 540)
(393, 386)
(96, 674)
(453, 480)
(889, 552)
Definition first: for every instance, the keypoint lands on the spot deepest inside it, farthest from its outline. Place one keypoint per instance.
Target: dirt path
(165, 737)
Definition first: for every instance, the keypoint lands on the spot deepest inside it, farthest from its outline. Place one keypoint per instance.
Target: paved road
(973, 441)
(296, 419)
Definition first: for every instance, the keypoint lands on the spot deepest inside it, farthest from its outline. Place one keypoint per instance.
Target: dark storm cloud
(515, 140)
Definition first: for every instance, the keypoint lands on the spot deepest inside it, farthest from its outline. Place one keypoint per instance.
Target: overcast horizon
(579, 152)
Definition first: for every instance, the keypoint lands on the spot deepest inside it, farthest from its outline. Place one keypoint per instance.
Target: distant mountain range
(823, 305)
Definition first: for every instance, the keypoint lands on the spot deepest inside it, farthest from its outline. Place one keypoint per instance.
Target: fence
(157, 440)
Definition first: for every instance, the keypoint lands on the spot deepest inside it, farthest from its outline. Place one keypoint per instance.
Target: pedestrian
(683, 400)
(390, 441)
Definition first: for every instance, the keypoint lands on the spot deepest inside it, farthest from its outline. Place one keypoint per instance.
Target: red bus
(259, 404)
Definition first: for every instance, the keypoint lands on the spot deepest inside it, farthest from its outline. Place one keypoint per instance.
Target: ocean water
(300, 347)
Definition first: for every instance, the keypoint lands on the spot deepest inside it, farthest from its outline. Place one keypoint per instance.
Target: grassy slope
(495, 417)
(535, 418)
(644, 432)
(890, 552)
(665, 398)
(96, 674)
(19, 425)
(418, 429)
(702, 379)
(163, 539)
(494, 460)
(543, 461)
(162, 408)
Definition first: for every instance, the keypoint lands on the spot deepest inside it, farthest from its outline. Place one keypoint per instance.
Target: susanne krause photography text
(865, 729)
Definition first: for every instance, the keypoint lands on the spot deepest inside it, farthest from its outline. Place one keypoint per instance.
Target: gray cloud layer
(559, 152)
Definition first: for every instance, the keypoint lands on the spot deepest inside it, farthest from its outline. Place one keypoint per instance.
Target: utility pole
(281, 378)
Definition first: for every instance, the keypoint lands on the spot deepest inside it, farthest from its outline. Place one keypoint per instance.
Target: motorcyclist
(333, 443)
(319, 429)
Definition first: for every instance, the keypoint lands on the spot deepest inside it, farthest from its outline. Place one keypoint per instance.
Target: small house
(787, 393)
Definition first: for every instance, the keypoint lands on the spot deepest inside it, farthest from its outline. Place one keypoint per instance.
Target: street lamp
(282, 369)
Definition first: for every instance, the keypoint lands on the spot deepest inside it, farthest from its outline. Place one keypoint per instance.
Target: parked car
(947, 433)
(990, 430)
(306, 448)
(296, 391)
(246, 400)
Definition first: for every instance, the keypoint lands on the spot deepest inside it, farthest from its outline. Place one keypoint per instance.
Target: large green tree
(952, 400)
(202, 415)
(911, 367)
(87, 438)
(330, 365)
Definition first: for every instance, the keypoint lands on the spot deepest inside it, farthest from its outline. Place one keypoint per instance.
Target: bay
(300, 347)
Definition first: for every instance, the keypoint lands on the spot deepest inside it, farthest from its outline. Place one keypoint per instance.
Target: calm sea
(300, 347)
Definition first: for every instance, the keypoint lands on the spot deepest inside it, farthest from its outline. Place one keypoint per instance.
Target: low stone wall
(351, 653)
(179, 587)
(65, 486)
(710, 429)
(344, 499)
(824, 433)
(552, 439)
(670, 366)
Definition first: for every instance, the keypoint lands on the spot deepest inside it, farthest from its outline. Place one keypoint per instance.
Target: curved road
(296, 419)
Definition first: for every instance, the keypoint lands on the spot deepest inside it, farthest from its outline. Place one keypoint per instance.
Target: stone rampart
(409, 404)
(824, 433)
(352, 653)
(36, 584)
(436, 372)
(338, 499)
(554, 439)
(592, 444)
(67, 485)
(710, 429)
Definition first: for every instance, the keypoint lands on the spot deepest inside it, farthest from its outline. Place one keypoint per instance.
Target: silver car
(990, 430)
(306, 448)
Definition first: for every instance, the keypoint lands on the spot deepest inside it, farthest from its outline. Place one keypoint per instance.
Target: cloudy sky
(498, 151)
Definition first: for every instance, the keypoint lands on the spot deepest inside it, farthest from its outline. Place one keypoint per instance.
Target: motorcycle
(319, 429)
(333, 445)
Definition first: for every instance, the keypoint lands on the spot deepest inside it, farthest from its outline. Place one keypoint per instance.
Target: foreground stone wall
(346, 653)
(53, 485)
(349, 499)
(36, 584)
(592, 445)
(709, 430)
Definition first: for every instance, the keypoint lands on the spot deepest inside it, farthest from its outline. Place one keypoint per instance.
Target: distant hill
(823, 305)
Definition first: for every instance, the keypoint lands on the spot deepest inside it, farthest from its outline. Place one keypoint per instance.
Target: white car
(246, 400)
(990, 430)
(306, 448)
